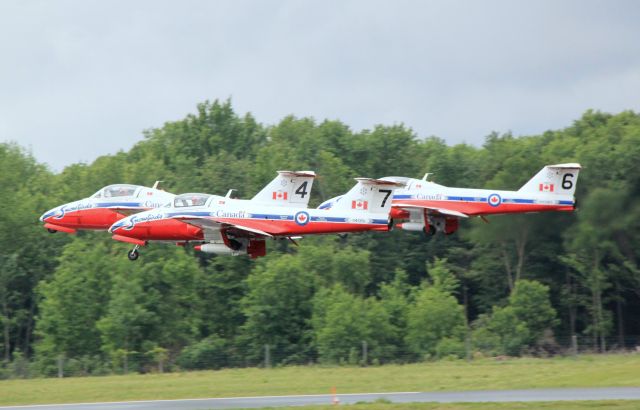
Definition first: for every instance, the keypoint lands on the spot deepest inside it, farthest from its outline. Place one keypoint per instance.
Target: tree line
(520, 284)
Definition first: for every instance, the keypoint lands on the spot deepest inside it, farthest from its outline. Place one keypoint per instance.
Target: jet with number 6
(222, 225)
(429, 207)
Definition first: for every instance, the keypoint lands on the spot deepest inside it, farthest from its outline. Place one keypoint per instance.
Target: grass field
(582, 371)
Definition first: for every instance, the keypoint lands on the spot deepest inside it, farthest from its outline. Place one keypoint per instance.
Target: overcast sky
(80, 79)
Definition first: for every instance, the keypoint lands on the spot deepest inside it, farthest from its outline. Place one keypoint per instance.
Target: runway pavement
(612, 393)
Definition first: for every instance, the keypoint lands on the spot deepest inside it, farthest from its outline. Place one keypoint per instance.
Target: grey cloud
(80, 79)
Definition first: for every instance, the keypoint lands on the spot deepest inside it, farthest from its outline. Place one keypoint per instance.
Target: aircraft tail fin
(560, 179)
(370, 195)
(289, 188)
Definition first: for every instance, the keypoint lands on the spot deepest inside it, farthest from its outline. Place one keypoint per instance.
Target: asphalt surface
(613, 393)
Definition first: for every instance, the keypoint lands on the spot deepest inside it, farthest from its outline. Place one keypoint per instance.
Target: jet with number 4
(226, 226)
(429, 207)
(104, 208)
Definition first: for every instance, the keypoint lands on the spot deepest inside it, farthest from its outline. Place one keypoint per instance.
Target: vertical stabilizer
(289, 188)
(560, 179)
(369, 195)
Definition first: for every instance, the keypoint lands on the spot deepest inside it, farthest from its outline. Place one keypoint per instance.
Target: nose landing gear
(133, 254)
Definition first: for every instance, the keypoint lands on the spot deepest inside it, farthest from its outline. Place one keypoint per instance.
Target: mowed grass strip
(551, 405)
(525, 373)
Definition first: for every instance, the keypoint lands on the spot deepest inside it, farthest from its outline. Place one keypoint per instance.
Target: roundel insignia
(494, 200)
(302, 218)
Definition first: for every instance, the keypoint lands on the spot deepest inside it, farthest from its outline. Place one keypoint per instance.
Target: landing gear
(51, 230)
(429, 230)
(235, 244)
(133, 254)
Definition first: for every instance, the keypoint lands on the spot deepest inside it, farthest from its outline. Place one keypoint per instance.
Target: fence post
(267, 356)
(61, 366)
(364, 353)
(574, 344)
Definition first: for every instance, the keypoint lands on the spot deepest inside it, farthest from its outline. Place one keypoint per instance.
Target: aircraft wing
(126, 211)
(443, 211)
(125, 208)
(209, 223)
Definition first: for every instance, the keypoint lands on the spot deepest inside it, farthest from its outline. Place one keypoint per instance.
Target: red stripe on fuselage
(172, 229)
(287, 228)
(483, 208)
(163, 230)
(97, 218)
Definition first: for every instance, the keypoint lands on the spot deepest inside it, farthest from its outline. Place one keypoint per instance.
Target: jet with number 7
(222, 225)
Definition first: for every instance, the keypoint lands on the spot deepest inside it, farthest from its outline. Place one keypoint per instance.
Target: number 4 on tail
(302, 190)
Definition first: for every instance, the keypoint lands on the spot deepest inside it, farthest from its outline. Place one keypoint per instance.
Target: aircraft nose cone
(119, 224)
(48, 214)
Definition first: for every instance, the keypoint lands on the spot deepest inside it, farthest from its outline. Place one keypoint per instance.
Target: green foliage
(343, 323)
(503, 333)
(531, 305)
(277, 307)
(434, 316)
(78, 304)
(442, 277)
(519, 325)
(209, 353)
(75, 299)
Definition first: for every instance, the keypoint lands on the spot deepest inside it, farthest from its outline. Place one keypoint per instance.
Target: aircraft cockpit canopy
(190, 200)
(114, 191)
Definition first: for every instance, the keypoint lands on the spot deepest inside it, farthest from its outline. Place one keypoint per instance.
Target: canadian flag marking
(360, 204)
(546, 187)
(279, 195)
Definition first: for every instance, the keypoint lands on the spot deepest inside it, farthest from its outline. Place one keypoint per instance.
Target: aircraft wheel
(234, 244)
(133, 255)
(51, 230)
(343, 235)
(430, 231)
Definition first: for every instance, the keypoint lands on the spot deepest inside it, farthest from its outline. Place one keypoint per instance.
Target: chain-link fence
(214, 356)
